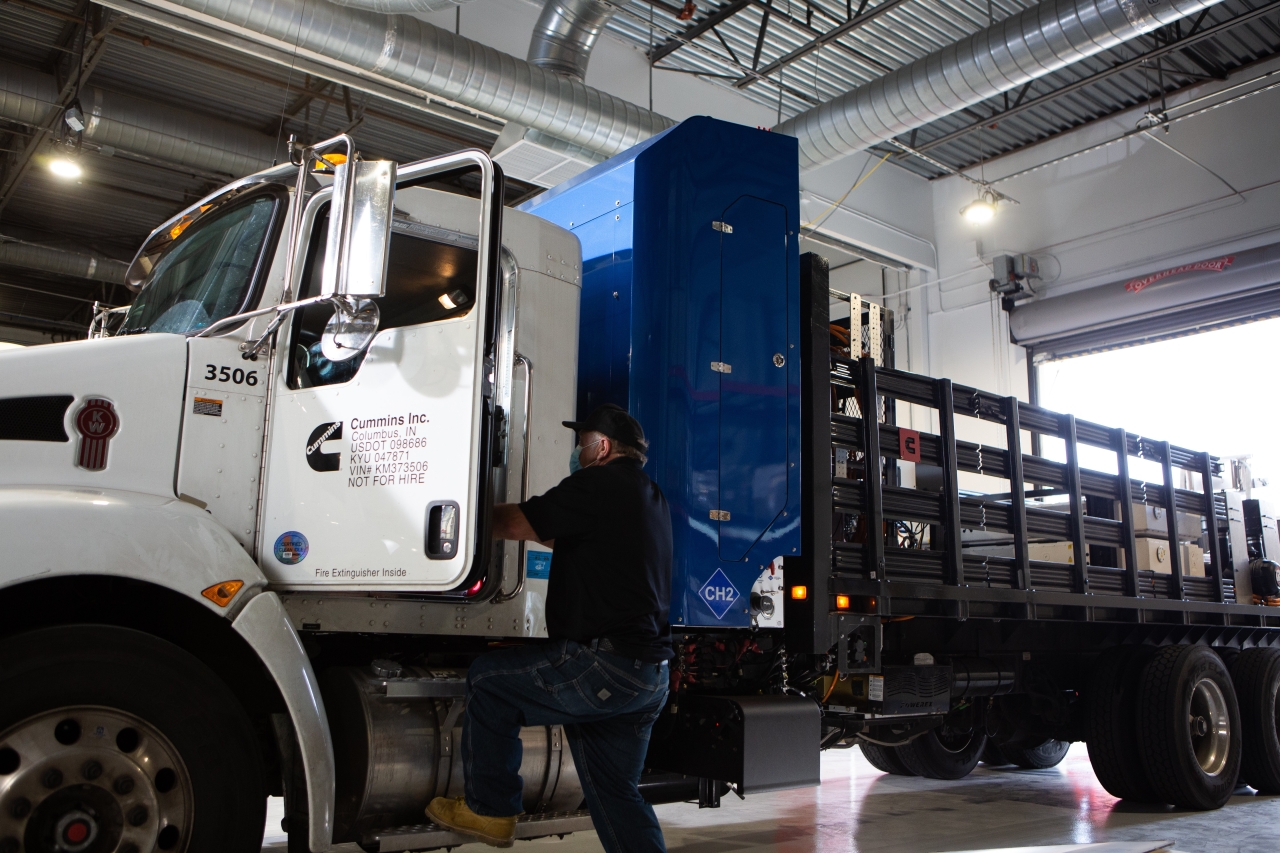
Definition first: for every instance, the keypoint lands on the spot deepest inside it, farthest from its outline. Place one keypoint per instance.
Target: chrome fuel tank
(397, 744)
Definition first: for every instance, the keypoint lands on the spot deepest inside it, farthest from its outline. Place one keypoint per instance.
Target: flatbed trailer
(924, 615)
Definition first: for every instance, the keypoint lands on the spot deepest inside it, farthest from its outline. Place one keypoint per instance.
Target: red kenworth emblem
(96, 421)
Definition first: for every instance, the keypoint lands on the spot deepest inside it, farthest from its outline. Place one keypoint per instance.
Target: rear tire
(1189, 727)
(885, 759)
(943, 753)
(1256, 675)
(117, 734)
(1112, 723)
(1040, 757)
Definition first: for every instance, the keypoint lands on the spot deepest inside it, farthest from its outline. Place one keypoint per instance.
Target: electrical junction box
(1154, 521)
(1153, 556)
(690, 320)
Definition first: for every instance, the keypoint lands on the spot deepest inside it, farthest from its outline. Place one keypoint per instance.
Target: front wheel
(114, 740)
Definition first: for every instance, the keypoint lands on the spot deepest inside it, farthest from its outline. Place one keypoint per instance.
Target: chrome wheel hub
(92, 780)
(1210, 726)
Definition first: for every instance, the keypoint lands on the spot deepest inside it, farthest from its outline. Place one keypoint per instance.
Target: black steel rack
(876, 574)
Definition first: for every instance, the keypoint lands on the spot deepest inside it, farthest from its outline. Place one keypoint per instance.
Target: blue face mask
(575, 457)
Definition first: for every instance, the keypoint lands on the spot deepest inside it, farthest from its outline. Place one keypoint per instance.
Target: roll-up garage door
(1216, 291)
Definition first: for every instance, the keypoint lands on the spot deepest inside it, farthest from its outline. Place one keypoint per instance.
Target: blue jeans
(607, 705)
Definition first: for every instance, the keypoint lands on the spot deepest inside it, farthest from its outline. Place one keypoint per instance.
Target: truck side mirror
(355, 269)
(359, 229)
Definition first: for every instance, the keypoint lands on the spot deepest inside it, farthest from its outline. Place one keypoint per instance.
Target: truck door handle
(442, 530)
(524, 362)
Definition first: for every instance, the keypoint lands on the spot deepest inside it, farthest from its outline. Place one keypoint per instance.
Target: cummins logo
(318, 459)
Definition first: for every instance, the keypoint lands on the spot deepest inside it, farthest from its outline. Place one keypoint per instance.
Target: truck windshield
(205, 273)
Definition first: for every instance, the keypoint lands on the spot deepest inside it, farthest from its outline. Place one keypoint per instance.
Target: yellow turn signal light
(799, 593)
(842, 602)
(222, 593)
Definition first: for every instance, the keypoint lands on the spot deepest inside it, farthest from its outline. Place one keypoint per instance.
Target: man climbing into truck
(603, 673)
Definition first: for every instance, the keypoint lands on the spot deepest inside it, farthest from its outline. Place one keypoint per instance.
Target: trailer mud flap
(758, 743)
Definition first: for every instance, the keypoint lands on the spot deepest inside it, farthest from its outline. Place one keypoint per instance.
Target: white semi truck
(164, 485)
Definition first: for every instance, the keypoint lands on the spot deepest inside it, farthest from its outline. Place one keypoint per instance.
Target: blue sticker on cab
(537, 565)
(291, 548)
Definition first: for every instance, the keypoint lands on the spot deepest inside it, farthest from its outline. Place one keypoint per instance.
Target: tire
(944, 754)
(885, 759)
(114, 733)
(1189, 727)
(1111, 724)
(1256, 675)
(992, 755)
(1040, 757)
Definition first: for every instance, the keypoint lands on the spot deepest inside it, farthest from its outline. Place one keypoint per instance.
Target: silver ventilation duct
(566, 32)
(1021, 48)
(411, 54)
(400, 7)
(139, 126)
(61, 262)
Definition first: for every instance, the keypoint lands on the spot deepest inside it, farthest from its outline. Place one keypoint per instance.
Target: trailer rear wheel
(114, 740)
(885, 759)
(1256, 674)
(1111, 723)
(944, 753)
(1189, 727)
(1041, 756)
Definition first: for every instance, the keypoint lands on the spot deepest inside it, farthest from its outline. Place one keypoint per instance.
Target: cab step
(402, 839)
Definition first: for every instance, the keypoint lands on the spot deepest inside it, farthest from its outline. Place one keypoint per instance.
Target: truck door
(753, 374)
(378, 471)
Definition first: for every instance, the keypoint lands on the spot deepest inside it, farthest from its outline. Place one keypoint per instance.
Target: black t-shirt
(611, 570)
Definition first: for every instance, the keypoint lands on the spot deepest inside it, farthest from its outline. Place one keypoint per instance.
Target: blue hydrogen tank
(690, 320)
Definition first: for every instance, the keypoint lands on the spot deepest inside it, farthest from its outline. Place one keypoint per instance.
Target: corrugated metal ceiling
(120, 198)
(734, 53)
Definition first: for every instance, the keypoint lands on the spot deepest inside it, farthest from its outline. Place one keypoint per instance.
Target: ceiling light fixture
(65, 167)
(982, 209)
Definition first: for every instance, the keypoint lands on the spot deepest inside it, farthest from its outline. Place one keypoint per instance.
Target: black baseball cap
(612, 421)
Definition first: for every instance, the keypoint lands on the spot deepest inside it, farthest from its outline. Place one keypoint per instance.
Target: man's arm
(509, 523)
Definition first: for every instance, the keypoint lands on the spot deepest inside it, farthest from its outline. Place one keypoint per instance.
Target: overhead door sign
(1215, 265)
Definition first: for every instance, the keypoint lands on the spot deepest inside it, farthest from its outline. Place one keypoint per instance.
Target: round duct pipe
(1002, 57)
(411, 54)
(61, 262)
(140, 126)
(400, 7)
(566, 32)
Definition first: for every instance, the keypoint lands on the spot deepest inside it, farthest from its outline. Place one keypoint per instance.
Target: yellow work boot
(454, 814)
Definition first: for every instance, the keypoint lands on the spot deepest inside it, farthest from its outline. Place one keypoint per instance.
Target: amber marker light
(222, 593)
(799, 593)
(842, 602)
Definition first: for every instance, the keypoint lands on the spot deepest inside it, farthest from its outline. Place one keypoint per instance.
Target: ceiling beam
(826, 38)
(1135, 62)
(690, 33)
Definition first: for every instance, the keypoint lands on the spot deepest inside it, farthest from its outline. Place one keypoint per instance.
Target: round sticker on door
(291, 548)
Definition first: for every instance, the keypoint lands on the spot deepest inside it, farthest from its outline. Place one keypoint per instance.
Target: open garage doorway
(1217, 391)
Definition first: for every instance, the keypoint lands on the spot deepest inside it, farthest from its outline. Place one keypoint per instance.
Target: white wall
(1125, 209)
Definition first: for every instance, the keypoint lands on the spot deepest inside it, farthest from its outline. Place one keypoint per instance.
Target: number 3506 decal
(226, 374)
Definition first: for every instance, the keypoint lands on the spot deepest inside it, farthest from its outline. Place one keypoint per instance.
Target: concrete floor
(858, 809)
